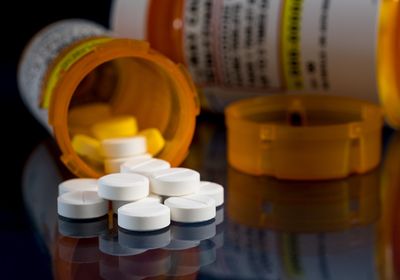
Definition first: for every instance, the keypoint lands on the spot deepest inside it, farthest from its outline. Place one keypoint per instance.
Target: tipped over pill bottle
(77, 66)
(338, 47)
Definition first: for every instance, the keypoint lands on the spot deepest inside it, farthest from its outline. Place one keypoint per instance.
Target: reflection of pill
(127, 186)
(82, 229)
(155, 140)
(219, 215)
(108, 244)
(81, 205)
(86, 146)
(143, 216)
(193, 231)
(218, 239)
(145, 240)
(144, 166)
(120, 126)
(175, 182)
(212, 190)
(77, 184)
(207, 252)
(123, 147)
(119, 203)
(191, 208)
(113, 165)
(181, 245)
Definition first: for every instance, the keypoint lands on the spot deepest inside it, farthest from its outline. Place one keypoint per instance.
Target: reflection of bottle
(296, 45)
(265, 202)
(265, 254)
(301, 230)
(76, 258)
(149, 264)
(389, 226)
(86, 229)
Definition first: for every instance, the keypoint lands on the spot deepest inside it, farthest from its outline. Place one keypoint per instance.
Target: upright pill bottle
(339, 47)
(76, 62)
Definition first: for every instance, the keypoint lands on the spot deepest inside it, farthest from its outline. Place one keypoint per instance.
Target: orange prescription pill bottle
(76, 62)
(341, 47)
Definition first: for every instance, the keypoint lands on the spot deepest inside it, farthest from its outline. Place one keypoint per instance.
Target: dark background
(20, 255)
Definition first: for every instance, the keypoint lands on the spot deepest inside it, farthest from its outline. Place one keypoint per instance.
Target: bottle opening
(293, 113)
(125, 87)
(128, 82)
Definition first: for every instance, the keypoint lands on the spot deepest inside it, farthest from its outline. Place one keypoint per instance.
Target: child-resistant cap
(304, 137)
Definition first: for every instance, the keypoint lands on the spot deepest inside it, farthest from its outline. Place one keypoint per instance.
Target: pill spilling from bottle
(145, 192)
(107, 141)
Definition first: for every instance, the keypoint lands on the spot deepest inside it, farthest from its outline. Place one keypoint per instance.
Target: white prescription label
(40, 54)
(291, 46)
(233, 42)
(338, 42)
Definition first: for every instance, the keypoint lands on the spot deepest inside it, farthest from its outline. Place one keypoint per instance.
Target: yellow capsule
(115, 127)
(87, 147)
(155, 140)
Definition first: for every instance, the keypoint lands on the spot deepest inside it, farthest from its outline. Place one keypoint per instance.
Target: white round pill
(151, 198)
(175, 182)
(81, 205)
(144, 216)
(125, 187)
(144, 166)
(77, 184)
(191, 208)
(113, 165)
(123, 147)
(212, 190)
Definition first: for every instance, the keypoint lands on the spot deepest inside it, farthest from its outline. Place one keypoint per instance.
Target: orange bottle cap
(304, 137)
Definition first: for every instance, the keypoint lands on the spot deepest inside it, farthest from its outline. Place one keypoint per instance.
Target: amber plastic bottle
(77, 62)
(236, 49)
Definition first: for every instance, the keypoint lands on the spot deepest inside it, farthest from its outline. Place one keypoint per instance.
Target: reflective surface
(267, 229)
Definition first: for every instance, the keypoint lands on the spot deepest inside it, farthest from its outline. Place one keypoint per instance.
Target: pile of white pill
(146, 195)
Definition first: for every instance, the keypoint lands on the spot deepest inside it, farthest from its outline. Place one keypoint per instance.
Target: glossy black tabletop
(266, 229)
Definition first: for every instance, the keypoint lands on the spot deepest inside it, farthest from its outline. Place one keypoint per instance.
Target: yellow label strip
(291, 255)
(290, 44)
(65, 63)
